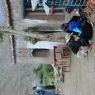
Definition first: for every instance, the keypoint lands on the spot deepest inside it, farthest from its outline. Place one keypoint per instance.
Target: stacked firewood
(90, 10)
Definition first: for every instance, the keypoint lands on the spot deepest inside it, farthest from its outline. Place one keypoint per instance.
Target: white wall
(44, 44)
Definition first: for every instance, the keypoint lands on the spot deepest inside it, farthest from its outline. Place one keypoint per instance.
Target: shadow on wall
(40, 52)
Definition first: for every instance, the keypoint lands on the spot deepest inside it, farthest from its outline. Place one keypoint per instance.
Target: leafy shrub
(45, 73)
(30, 39)
(31, 29)
(1, 37)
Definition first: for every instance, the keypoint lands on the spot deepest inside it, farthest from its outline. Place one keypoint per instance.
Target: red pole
(52, 8)
(55, 56)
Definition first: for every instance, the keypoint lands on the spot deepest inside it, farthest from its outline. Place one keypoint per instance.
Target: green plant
(45, 73)
(31, 29)
(1, 37)
(32, 40)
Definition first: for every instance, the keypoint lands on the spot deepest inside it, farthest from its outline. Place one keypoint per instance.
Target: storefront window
(55, 7)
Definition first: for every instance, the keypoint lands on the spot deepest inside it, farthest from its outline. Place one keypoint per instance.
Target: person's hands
(76, 37)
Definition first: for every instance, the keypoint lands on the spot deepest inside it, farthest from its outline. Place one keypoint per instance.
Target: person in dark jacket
(79, 26)
(82, 29)
(74, 45)
(83, 39)
(87, 31)
(74, 25)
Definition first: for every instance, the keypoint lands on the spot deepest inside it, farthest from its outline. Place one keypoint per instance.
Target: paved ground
(81, 79)
(14, 79)
(5, 52)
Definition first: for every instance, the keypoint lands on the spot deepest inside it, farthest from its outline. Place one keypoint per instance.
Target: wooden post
(14, 48)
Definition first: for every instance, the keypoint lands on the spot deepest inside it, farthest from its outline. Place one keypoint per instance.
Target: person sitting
(81, 32)
(75, 43)
(74, 25)
(87, 31)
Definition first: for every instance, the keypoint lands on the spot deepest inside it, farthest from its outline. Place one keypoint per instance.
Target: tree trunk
(57, 36)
